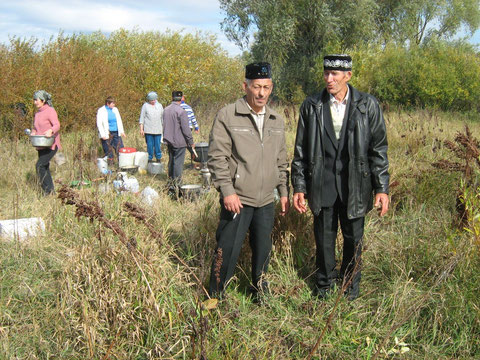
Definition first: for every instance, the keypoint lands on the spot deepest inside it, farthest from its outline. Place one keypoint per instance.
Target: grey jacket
(176, 131)
(151, 116)
(240, 162)
(366, 139)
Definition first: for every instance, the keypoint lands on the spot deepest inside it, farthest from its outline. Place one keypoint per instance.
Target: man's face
(336, 81)
(111, 105)
(258, 91)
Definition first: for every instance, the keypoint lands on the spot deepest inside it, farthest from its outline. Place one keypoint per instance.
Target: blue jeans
(114, 142)
(154, 142)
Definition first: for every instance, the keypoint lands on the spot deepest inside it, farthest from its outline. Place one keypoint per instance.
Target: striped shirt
(192, 120)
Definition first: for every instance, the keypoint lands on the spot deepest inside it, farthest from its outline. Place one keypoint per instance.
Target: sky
(45, 18)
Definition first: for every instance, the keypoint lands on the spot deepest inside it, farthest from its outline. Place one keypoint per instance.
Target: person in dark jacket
(177, 135)
(340, 160)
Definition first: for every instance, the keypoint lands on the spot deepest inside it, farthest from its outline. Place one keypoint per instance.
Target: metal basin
(190, 192)
(131, 169)
(42, 140)
(155, 168)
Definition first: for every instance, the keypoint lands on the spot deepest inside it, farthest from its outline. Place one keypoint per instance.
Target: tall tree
(294, 34)
(412, 21)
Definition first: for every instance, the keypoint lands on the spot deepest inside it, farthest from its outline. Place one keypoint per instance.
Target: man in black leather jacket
(340, 161)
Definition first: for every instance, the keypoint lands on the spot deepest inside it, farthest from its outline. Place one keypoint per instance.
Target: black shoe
(260, 295)
(352, 292)
(321, 293)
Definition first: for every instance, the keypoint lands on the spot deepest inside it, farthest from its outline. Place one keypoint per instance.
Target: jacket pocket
(365, 182)
(239, 178)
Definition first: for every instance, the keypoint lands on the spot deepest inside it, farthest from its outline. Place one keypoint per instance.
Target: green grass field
(116, 287)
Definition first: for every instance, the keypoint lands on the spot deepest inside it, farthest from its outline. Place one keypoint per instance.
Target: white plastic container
(126, 157)
(141, 160)
(102, 165)
(21, 228)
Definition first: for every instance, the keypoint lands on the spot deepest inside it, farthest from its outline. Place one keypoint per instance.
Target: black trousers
(43, 169)
(325, 227)
(176, 157)
(231, 233)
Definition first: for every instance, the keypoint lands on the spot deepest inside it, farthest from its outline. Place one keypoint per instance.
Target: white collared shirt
(337, 109)
(259, 118)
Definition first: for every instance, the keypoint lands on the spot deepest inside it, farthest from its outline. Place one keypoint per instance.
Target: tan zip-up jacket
(241, 162)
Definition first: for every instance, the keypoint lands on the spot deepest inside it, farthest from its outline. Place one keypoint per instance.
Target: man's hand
(123, 135)
(141, 130)
(232, 203)
(299, 202)
(105, 138)
(381, 203)
(48, 133)
(285, 202)
(197, 131)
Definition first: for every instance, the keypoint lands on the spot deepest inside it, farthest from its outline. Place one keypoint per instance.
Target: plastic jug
(102, 165)
(141, 160)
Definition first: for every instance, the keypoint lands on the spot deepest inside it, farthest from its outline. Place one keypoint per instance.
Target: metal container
(131, 169)
(42, 140)
(155, 168)
(202, 152)
(190, 192)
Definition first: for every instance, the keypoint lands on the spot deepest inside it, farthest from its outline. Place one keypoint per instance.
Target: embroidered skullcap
(341, 62)
(261, 70)
(152, 95)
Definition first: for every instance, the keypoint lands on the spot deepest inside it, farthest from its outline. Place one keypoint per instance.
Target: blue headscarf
(44, 96)
(152, 95)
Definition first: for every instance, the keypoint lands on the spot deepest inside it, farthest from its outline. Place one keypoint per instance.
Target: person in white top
(110, 128)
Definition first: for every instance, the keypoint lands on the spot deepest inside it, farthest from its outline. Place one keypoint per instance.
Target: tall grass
(89, 289)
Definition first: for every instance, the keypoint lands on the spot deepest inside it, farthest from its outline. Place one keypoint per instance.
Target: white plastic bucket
(126, 157)
(141, 160)
(102, 165)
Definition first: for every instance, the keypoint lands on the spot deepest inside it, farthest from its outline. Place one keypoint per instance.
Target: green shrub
(80, 71)
(438, 74)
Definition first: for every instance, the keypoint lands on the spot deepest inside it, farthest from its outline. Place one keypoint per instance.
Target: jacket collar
(242, 108)
(323, 97)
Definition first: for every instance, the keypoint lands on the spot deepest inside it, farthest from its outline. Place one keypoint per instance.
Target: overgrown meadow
(114, 278)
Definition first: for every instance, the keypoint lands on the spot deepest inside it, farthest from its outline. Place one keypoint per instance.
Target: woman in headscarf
(110, 128)
(151, 125)
(45, 123)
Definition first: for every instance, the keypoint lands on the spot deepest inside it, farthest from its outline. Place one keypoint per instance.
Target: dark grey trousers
(325, 228)
(231, 233)
(176, 157)
(43, 169)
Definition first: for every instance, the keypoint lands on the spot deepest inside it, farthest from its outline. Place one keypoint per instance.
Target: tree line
(406, 52)
(81, 70)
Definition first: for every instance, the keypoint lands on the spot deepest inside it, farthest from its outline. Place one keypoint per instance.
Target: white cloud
(46, 18)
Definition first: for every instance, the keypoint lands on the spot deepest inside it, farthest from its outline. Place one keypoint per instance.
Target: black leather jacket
(367, 149)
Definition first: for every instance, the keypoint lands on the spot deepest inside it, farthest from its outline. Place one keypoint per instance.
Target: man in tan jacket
(247, 159)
